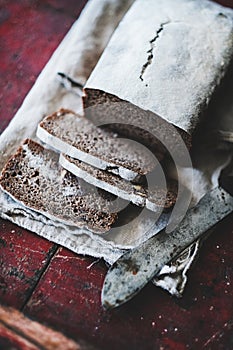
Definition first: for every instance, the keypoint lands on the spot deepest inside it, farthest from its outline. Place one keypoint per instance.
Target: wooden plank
(23, 258)
(10, 340)
(24, 255)
(68, 297)
(28, 334)
(29, 34)
(68, 294)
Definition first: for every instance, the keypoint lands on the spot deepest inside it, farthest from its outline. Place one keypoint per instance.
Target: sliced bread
(79, 138)
(34, 178)
(154, 198)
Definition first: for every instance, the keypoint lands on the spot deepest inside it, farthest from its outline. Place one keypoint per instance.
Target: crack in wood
(50, 255)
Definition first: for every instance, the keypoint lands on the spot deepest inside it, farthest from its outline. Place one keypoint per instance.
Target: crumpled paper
(76, 57)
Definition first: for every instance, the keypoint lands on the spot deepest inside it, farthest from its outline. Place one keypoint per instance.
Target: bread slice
(169, 64)
(138, 194)
(34, 178)
(77, 137)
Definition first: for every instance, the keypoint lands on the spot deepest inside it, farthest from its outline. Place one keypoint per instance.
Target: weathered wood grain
(23, 258)
(68, 298)
(29, 33)
(68, 294)
(29, 334)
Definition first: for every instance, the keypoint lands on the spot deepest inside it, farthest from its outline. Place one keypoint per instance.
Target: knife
(133, 270)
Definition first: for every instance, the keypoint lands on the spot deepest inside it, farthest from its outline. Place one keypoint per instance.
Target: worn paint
(153, 319)
(23, 258)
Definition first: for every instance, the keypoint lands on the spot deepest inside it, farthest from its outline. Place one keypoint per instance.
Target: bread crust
(138, 193)
(79, 138)
(33, 177)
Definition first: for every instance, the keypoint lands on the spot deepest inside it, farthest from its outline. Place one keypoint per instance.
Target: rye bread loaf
(162, 65)
(34, 178)
(79, 138)
(153, 198)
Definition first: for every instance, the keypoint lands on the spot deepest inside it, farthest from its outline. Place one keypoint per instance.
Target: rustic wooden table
(62, 290)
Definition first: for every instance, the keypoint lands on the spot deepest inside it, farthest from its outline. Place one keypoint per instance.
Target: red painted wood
(68, 297)
(15, 327)
(70, 289)
(10, 340)
(68, 294)
(29, 33)
(228, 3)
(23, 257)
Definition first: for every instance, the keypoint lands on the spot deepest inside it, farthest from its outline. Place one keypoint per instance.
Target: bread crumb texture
(34, 177)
